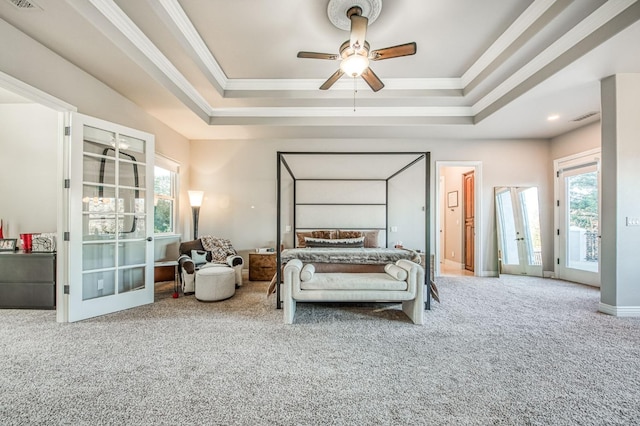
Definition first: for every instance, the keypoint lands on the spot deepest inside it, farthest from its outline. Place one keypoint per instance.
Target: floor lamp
(195, 199)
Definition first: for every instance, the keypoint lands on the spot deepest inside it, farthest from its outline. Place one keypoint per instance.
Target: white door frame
(582, 157)
(81, 305)
(479, 229)
(64, 111)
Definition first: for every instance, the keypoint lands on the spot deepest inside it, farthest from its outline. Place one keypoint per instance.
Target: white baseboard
(453, 264)
(619, 311)
(548, 274)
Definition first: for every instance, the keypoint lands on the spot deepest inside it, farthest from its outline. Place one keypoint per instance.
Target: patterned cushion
(349, 234)
(370, 237)
(327, 234)
(336, 243)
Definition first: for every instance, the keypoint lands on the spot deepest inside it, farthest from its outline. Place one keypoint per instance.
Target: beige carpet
(512, 351)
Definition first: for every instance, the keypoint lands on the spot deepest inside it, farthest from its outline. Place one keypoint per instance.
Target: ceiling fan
(356, 54)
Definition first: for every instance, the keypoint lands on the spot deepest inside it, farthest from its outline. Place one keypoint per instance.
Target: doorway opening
(457, 244)
(46, 154)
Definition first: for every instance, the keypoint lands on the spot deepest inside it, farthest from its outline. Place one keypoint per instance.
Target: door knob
(149, 238)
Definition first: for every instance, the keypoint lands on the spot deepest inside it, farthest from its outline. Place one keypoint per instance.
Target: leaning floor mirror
(518, 227)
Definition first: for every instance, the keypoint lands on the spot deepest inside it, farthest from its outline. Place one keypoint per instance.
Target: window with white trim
(165, 184)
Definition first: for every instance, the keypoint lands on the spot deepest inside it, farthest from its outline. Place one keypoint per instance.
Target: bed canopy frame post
(427, 208)
(281, 162)
(427, 230)
(278, 233)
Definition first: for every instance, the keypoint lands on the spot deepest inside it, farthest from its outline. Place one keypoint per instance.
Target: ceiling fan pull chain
(355, 89)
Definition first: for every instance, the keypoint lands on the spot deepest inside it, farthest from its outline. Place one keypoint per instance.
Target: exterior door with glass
(518, 225)
(578, 188)
(111, 218)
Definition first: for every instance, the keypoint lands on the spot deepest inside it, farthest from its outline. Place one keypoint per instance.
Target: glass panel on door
(508, 236)
(583, 221)
(112, 262)
(518, 226)
(531, 226)
(578, 218)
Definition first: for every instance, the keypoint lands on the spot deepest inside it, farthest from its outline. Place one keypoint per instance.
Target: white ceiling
(221, 69)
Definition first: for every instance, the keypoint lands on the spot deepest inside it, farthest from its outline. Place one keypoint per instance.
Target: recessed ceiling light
(553, 117)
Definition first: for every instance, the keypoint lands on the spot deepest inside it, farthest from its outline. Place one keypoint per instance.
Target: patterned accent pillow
(349, 234)
(327, 234)
(335, 243)
(370, 237)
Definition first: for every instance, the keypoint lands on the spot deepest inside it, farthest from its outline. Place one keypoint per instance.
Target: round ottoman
(215, 283)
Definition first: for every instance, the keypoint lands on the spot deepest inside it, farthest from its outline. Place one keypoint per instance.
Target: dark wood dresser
(28, 280)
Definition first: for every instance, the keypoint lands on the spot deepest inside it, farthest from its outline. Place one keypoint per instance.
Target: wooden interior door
(469, 220)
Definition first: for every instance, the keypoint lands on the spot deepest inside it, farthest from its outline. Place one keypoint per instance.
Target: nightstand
(262, 266)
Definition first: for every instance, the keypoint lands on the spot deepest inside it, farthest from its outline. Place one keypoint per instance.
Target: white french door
(110, 218)
(578, 219)
(518, 226)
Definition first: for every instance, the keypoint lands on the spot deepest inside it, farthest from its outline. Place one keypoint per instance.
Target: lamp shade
(354, 65)
(195, 198)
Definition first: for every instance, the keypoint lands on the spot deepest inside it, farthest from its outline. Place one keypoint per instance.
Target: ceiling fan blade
(372, 80)
(336, 75)
(393, 52)
(358, 31)
(316, 55)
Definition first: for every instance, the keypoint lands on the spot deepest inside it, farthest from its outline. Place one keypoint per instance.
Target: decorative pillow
(349, 234)
(307, 272)
(396, 272)
(335, 243)
(370, 237)
(199, 257)
(327, 234)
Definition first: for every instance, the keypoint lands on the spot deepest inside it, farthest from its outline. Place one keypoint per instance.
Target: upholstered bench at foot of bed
(355, 287)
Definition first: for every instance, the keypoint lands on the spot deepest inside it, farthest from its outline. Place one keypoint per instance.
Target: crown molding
(597, 19)
(168, 75)
(180, 19)
(344, 84)
(110, 10)
(506, 39)
(344, 111)
(34, 94)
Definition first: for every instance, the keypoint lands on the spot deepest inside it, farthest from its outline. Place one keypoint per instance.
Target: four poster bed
(336, 209)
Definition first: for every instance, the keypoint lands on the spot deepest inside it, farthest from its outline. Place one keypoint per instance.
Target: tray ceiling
(222, 69)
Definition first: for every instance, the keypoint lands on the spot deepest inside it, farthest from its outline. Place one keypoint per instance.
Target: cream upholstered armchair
(205, 252)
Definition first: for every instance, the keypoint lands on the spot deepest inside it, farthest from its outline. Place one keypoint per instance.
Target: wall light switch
(287, 228)
(394, 229)
(100, 284)
(633, 221)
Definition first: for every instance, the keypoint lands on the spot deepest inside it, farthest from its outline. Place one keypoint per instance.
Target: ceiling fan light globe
(354, 65)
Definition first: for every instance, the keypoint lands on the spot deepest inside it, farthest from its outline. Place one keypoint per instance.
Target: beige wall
(620, 194)
(239, 180)
(28, 153)
(577, 141)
